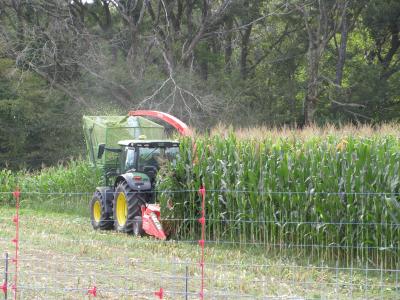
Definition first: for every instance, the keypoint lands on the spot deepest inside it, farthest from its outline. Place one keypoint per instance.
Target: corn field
(63, 188)
(328, 196)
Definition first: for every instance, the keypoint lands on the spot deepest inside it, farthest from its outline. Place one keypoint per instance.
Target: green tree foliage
(36, 126)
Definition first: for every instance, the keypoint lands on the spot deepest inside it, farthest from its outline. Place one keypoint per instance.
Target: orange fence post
(15, 240)
(202, 221)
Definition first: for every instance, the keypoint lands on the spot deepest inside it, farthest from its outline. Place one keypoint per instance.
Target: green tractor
(130, 150)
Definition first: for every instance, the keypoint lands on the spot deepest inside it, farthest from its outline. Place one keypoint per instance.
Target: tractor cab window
(156, 156)
(130, 159)
(149, 157)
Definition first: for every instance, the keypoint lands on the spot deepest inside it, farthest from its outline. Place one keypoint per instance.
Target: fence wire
(258, 245)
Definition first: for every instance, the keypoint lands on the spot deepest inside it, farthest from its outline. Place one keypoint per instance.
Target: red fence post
(92, 291)
(202, 221)
(16, 195)
(4, 286)
(159, 294)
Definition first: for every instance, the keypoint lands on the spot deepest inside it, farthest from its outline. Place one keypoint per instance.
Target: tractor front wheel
(98, 216)
(127, 206)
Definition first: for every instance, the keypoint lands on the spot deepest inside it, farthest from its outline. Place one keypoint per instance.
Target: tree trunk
(310, 101)
(245, 51)
(189, 15)
(341, 56)
(20, 24)
(204, 69)
(228, 45)
(342, 49)
(321, 26)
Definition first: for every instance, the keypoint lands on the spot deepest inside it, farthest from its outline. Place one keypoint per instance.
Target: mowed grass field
(61, 257)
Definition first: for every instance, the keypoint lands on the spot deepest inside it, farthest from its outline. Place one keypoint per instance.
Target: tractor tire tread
(134, 201)
(105, 222)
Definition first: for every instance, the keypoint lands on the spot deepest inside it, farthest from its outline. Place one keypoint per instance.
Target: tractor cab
(147, 156)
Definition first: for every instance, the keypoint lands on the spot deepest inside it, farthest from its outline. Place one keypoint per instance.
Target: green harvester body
(109, 130)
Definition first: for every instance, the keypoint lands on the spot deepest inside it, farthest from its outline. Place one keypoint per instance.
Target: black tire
(98, 216)
(134, 201)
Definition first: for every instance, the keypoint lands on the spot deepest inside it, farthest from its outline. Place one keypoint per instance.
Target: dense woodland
(239, 62)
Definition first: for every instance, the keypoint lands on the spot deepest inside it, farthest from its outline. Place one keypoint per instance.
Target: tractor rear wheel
(127, 206)
(98, 216)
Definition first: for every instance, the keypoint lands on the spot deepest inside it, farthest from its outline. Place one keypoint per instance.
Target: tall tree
(321, 23)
